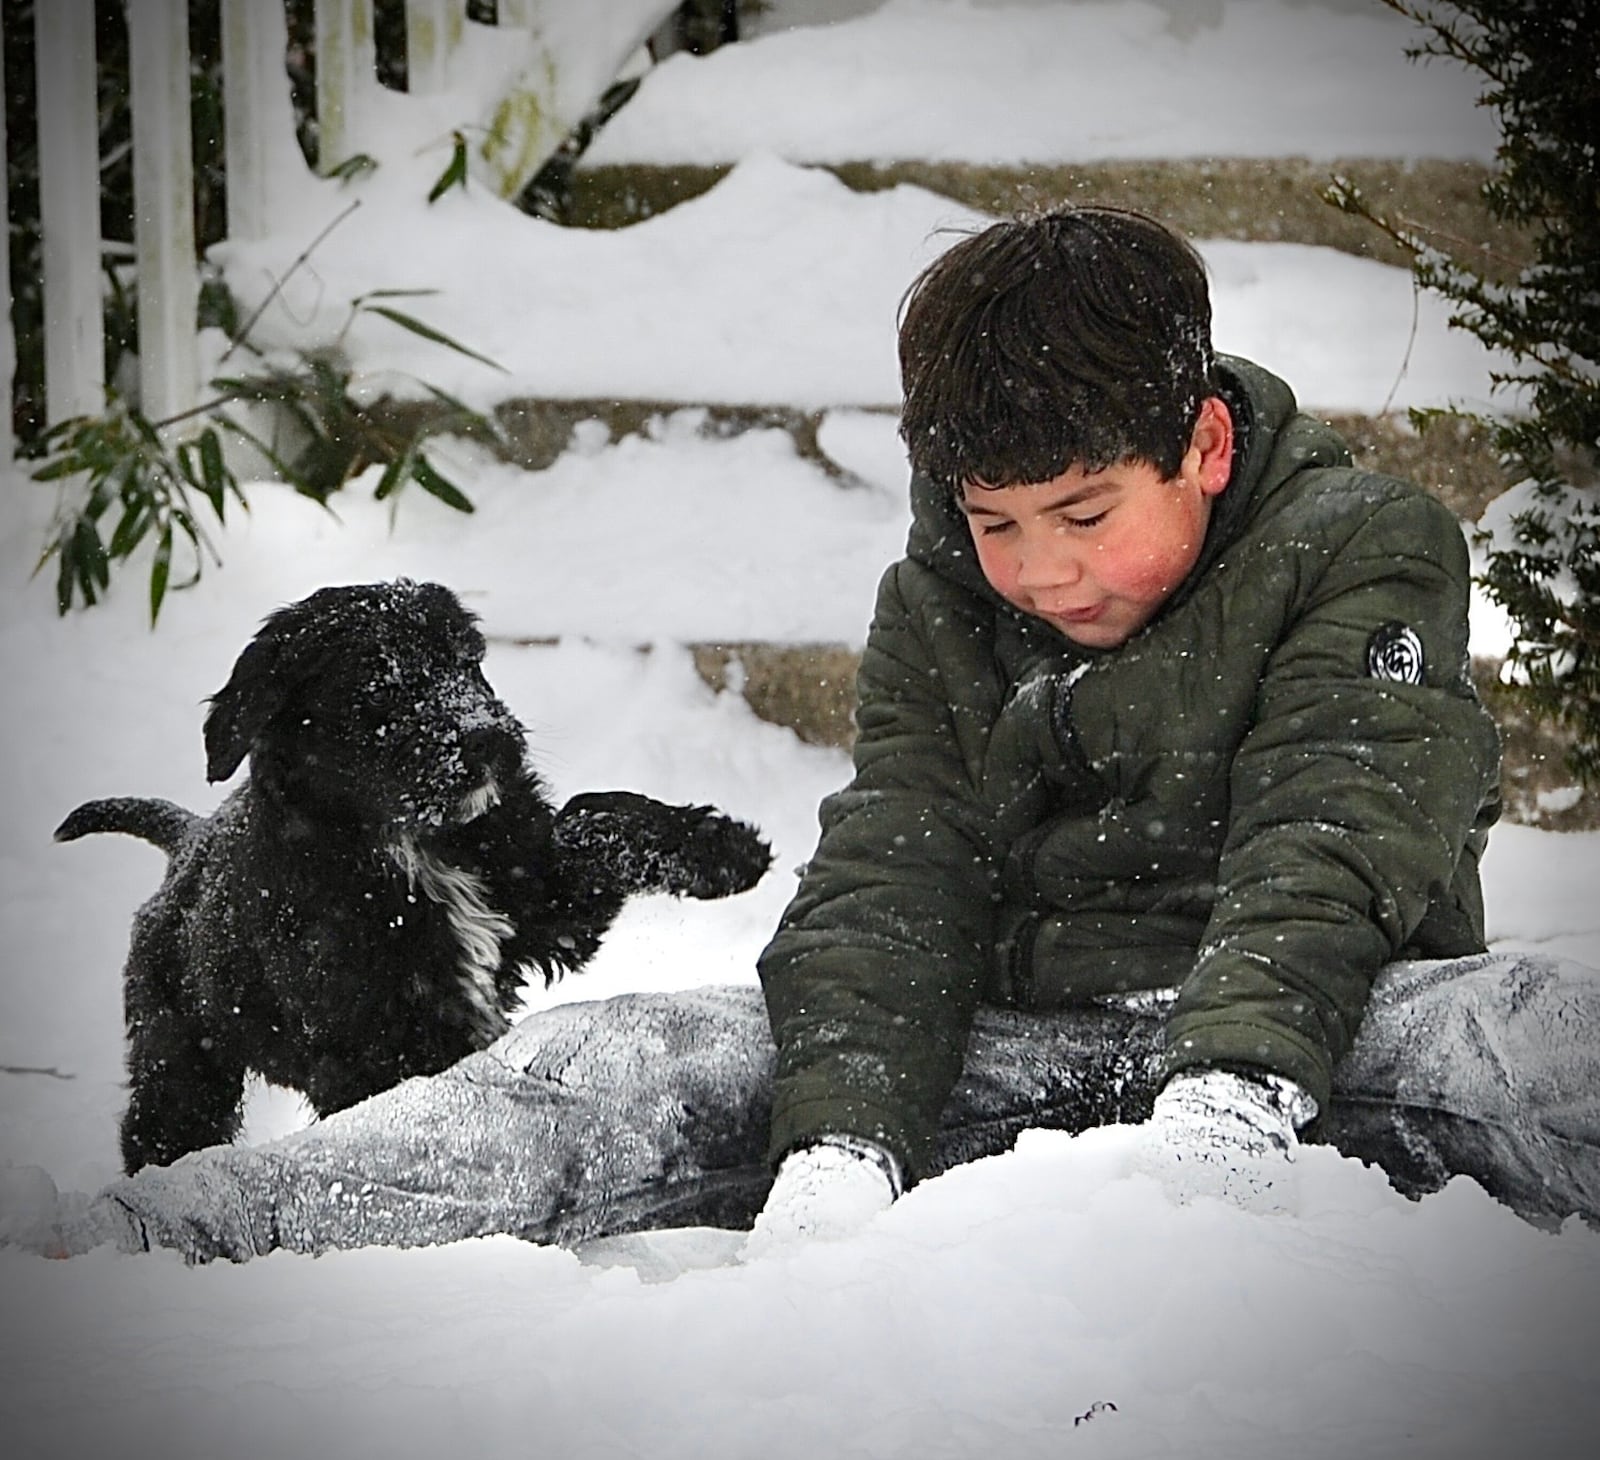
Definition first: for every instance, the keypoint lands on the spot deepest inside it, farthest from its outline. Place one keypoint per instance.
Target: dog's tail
(163, 824)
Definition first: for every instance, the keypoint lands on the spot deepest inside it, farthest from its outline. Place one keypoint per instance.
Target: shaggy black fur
(368, 904)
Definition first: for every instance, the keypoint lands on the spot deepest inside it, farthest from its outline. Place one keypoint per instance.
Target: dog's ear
(239, 712)
(263, 678)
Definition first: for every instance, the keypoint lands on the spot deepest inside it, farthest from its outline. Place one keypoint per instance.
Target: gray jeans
(651, 1110)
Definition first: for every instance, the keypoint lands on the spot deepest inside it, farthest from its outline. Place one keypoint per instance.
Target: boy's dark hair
(1077, 337)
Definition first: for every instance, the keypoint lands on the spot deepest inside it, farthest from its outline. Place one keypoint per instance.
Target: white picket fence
(575, 48)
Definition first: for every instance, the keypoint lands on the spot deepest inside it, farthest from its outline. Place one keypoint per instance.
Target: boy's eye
(1092, 521)
(989, 529)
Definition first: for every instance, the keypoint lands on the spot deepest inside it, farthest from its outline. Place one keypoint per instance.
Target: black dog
(368, 904)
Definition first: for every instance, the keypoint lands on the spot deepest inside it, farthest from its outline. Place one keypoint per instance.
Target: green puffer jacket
(1260, 799)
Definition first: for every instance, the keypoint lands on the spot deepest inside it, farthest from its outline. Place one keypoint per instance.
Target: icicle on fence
(574, 49)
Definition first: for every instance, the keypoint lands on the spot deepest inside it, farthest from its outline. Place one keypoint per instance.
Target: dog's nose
(496, 748)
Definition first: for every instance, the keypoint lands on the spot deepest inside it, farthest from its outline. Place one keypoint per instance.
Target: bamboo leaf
(65, 576)
(416, 326)
(135, 522)
(53, 434)
(65, 466)
(479, 422)
(90, 552)
(354, 166)
(214, 470)
(361, 299)
(186, 457)
(160, 571)
(144, 430)
(394, 476)
(438, 486)
(454, 402)
(455, 175)
(278, 463)
(263, 388)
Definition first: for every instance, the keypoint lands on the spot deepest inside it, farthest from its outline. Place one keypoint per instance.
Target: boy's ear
(1211, 445)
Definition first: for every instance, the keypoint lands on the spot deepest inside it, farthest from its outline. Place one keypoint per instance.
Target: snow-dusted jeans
(651, 1110)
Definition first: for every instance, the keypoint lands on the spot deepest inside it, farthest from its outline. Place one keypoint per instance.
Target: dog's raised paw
(635, 843)
(728, 856)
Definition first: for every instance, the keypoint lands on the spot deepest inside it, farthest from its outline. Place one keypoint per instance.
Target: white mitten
(829, 1190)
(1215, 1133)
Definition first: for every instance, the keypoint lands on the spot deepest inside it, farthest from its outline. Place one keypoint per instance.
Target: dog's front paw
(632, 843)
(724, 856)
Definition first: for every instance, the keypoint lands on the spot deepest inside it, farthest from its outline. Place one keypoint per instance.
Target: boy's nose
(1042, 569)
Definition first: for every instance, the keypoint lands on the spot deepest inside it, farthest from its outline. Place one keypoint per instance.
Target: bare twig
(278, 285)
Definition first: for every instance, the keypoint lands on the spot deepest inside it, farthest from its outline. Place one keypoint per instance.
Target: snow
(1042, 1303)
(1082, 82)
(777, 285)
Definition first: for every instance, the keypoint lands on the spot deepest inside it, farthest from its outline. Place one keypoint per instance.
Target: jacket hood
(1272, 441)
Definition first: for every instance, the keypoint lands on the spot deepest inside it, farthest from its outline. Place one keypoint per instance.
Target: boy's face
(1096, 554)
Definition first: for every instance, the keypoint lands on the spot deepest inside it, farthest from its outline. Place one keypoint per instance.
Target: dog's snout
(496, 748)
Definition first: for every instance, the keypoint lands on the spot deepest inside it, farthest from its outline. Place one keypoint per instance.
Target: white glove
(828, 1191)
(1215, 1133)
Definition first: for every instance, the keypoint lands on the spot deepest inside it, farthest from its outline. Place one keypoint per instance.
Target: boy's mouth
(1085, 615)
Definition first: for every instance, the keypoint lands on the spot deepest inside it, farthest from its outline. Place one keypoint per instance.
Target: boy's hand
(1215, 1133)
(826, 1191)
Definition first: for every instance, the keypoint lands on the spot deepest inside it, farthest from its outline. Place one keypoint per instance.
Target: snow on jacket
(1280, 784)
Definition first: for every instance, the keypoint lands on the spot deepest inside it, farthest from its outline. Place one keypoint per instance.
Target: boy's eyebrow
(1071, 497)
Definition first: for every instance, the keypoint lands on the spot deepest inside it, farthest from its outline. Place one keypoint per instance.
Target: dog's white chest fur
(479, 929)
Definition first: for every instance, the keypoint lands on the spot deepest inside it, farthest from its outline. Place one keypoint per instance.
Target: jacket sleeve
(873, 976)
(1353, 797)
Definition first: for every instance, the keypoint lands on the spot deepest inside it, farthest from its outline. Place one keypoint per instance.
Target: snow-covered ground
(1044, 1303)
(1016, 81)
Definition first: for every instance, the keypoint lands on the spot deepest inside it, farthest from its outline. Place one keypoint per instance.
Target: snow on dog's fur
(368, 904)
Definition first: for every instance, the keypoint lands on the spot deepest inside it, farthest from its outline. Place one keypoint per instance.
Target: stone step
(1452, 457)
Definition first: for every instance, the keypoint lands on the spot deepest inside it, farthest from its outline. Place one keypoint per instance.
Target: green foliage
(358, 164)
(455, 175)
(1539, 60)
(119, 461)
(159, 477)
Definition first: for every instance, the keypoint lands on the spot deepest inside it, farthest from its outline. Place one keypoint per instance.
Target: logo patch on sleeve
(1394, 652)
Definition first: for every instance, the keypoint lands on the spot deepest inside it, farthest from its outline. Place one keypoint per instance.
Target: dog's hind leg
(630, 843)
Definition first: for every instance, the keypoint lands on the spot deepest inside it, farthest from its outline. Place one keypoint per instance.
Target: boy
(1169, 795)
(1164, 697)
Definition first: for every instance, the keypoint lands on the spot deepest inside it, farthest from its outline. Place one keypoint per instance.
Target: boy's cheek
(994, 564)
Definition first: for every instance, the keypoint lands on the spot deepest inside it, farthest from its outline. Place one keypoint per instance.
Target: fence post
(69, 210)
(8, 330)
(346, 62)
(433, 32)
(163, 196)
(259, 132)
